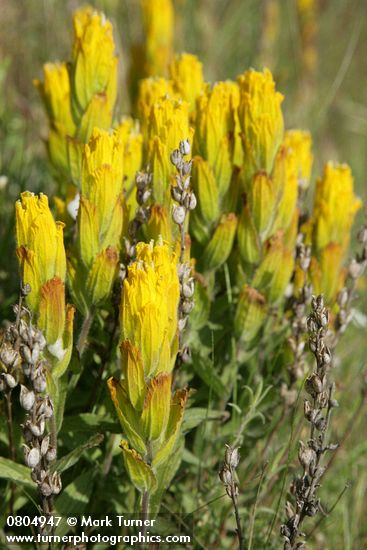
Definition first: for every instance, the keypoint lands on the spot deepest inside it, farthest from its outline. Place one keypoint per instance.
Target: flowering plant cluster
(182, 233)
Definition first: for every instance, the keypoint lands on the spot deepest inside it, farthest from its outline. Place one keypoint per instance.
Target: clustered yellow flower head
(165, 122)
(334, 209)
(41, 256)
(94, 71)
(150, 416)
(100, 220)
(149, 307)
(276, 165)
(186, 72)
(261, 119)
(55, 92)
(158, 19)
(80, 95)
(300, 142)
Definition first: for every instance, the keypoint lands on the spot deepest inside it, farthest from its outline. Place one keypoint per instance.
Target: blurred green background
(320, 65)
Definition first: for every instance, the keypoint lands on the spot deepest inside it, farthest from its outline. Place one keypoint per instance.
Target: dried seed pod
(232, 456)
(225, 475)
(10, 380)
(26, 398)
(45, 445)
(178, 214)
(185, 148)
(32, 457)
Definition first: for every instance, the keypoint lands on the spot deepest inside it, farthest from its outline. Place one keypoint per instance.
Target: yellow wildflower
(186, 72)
(149, 415)
(94, 71)
(300, 142)
(55, 93)
(158, 20)
(41, 255)
(261, 120)
(101, 218)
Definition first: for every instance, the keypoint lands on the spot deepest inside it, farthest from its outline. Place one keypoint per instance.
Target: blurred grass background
(228, 36)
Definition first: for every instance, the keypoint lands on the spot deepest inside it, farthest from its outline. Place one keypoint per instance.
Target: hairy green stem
(84, 332)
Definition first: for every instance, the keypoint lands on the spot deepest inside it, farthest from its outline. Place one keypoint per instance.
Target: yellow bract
(101, 218)
(40, 244)
(261, 119)
(149, 414)
(300, 142)
(94, 66)
(41, 255)
(335, 206)
(149, 306)
(158, 19)
(334, 209)
(216, 129)
(187, 76)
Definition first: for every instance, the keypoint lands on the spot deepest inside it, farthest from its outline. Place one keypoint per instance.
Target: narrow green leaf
(18, 473)
(72, 458)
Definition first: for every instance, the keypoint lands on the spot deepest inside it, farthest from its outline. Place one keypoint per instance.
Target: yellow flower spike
(300, 142)
(334, 208)
(331, 263)
(168, 125)
(261, 120)
(102, 181)
(55, 93)
(102, 216)
(250, 314)
(151, 90)
(94, 67)
(262, 202)
(149, 304)
(186, 72)
(215, 129)
(40, 244)
(219, 247)
(158, 20)
(169, 120)
(156, 408)
(41, 255)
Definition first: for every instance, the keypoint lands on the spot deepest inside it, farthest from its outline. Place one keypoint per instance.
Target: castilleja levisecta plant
(185, 248)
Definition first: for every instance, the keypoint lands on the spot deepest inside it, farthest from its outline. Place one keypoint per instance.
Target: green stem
(83, 336)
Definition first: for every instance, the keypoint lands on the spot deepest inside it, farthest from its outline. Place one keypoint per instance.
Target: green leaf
(72, 458)
(18, 473)
(205, 370)
(90, 422)
(165, 474)
(196, 415)
(74, 499)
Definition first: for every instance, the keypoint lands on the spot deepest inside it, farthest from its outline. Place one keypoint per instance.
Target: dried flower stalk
(317, 411)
